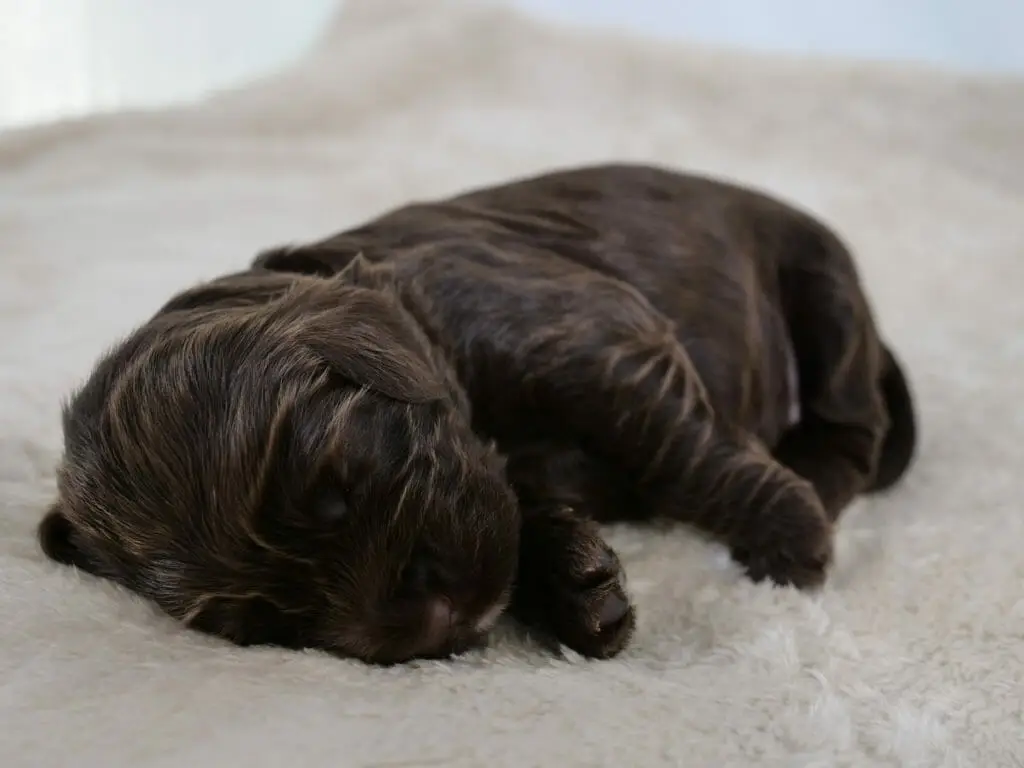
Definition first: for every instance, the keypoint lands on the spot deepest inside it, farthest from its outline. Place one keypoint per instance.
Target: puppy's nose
(440, 618)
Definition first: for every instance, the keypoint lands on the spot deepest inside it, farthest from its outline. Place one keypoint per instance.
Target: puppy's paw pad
(612, 611)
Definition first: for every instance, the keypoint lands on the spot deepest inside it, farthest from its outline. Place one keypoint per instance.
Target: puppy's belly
(760, 392)
(780, 386)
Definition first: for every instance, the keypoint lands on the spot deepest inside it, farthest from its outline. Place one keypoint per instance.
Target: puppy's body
(638, 343)
(565, 248)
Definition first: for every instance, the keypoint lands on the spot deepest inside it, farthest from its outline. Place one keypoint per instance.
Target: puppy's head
(278, 459)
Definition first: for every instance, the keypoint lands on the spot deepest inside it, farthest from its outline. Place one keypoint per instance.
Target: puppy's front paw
(572, 586)
(788, 543)
(589, 609)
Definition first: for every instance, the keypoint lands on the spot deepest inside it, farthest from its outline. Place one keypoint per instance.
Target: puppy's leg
(844, 420)
(615, 377)
(570, 584)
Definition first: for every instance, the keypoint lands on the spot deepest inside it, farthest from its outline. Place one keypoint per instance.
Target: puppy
(377, 443)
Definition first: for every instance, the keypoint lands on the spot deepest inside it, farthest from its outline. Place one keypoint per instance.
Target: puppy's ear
(368, 342)
(304, 260)
(60, 541)
(243, 289)
(364, 273)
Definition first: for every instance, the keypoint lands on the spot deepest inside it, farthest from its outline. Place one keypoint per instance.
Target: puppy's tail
(900, 443)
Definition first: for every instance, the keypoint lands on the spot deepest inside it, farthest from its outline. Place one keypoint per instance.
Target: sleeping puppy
(377, 443)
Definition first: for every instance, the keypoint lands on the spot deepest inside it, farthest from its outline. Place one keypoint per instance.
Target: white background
(67, 57)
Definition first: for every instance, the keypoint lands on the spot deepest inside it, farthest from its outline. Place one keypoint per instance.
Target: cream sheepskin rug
(914, 653)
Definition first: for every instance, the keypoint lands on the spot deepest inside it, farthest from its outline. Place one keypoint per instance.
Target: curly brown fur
(374, 443)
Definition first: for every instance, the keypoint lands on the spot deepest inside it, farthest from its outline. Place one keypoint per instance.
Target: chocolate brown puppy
(377, 442)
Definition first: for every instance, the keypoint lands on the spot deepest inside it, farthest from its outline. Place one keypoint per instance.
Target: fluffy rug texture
(914, 653)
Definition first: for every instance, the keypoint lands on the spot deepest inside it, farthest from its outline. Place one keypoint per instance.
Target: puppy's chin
(445, 602)
(449, 632)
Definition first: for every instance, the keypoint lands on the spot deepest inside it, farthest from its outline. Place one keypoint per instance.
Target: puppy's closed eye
(329, 502)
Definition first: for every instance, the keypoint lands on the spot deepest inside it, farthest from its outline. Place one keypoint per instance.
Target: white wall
(68, 57)
(978, 35)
